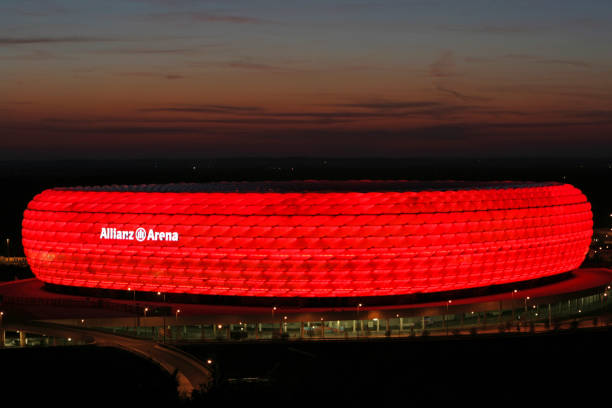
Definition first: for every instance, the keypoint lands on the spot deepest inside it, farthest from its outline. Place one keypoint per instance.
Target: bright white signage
(139, 235)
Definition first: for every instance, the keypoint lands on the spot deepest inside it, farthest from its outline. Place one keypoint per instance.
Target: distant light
(375, 319)
(219, 326)
(209, 361)
(285, 317)
(69, 339)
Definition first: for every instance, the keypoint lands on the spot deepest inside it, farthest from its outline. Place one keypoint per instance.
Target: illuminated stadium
(306, 239)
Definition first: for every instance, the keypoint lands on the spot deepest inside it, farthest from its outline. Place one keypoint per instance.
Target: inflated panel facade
(306, 244)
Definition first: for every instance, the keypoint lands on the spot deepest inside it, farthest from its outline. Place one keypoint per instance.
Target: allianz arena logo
(140, 235)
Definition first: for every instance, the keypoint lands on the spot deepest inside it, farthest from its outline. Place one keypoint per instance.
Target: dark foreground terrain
(82, 376)
(524, 368)
(527, 368)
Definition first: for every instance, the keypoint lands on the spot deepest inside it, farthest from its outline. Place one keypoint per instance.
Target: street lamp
(446, 315)
(146, 309)
(163, 314)
(134, 300)
(177, 313)
(512, 305)
(8, 248)
(359, 306)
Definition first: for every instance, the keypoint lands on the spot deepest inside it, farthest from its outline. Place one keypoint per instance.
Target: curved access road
(190, 372)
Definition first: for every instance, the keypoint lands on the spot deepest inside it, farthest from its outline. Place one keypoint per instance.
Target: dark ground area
(82, 376)
(10, 272)
(21, 180)
(521, 368)
(527, 368)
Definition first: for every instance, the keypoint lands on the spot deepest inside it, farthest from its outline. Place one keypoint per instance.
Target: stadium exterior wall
(306, 239)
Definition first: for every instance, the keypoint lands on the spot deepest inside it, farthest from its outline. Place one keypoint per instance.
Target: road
(191, 373)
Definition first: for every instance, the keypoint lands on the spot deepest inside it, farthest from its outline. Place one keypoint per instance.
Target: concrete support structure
(22, 338)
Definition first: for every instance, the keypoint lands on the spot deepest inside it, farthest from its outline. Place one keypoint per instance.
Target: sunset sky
(155, 78)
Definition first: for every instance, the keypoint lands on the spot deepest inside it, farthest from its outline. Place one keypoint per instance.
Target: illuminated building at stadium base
(306, 239)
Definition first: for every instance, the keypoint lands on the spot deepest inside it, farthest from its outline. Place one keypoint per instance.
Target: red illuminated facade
(306, 238)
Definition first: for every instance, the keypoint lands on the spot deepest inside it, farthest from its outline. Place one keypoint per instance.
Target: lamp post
(446, 315)
(177, 313)
(8, 248)
(512, 305)
(134, 303)
(359, 306)
(164, 315)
